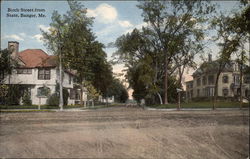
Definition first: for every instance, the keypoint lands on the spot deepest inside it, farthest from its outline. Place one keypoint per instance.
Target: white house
(38, 71)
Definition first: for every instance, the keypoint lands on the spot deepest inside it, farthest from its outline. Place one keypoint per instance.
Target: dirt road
(125, 133)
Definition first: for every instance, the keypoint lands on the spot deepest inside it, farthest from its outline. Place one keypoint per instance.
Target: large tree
(173, 22)
(232, 34)
(70, 37)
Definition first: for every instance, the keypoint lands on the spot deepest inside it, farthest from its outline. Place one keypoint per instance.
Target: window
(209, 91)
(247, 79)
(236, 79)
(191, 85)
(24, 71)
(225, 79)
(204, 80)
(43, 91)
(43, 74)
(198, 82)
(198, 92)
(247, 93)
(225, 92)
(211, 79)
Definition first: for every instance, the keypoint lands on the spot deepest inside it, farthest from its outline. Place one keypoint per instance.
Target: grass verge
(202, 105)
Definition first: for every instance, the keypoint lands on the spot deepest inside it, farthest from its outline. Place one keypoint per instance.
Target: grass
(24, 110)
(202, 105)
(46, 107)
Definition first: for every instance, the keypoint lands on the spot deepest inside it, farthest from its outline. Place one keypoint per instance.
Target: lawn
(55, 107)
(203, 105)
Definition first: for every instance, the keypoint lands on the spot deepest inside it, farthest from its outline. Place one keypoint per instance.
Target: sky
(112, 19)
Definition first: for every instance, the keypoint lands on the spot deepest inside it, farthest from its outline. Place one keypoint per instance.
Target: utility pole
(60, 74)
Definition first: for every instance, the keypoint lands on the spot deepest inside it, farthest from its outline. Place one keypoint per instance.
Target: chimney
(13, 47)
(209, 58)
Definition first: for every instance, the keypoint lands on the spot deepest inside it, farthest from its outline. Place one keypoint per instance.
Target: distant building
(203, 83)
(38, 73)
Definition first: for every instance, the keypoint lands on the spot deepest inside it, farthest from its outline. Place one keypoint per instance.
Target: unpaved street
(125, 133)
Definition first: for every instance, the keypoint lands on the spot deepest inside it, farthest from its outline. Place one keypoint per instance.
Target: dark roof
(212, 67)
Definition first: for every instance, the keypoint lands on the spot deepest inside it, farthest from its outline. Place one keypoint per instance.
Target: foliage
(3, 90)
(172, 26)
(232, 35)
(53, 100)
(93, 94)
(14, 94)
(6, 63)
(26, 98)
(118, 90)
(71, 37)
(169, 41)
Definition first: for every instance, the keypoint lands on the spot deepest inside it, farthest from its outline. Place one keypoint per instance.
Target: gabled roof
(33, 58)
(212, 67)
(36, 58)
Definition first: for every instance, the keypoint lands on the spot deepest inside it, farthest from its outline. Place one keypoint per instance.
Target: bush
(27, 99)
(53, 100)
(65, 96)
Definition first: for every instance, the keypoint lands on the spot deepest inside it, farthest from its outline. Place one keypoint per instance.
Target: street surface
(126, 133)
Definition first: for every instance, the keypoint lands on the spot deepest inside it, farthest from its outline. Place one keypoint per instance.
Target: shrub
(53, 100)
(27, 99)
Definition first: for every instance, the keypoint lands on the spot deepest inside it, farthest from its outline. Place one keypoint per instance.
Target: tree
(172, 22)
(232, 32)
(92, 93)
(118, 90)
(71, 36)
(6, 64)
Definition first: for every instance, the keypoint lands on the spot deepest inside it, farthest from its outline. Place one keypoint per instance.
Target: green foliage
(71, 36)
(3, 90)
(14, 94)
(53, 100)
(118, 90)
(26, 98)
(168, 43)
(6, 63)
(92, 92)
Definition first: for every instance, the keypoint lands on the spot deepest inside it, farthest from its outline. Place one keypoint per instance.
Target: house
(39, 73)
(203, 83)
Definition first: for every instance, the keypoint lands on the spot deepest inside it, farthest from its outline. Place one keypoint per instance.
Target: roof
(33, 58)
(36, 58)
(212, 67)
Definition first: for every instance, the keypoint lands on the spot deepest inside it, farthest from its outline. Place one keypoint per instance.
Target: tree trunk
(158, 94)
(81, 103)
(216, 89)
(166, 82)
(241, 86)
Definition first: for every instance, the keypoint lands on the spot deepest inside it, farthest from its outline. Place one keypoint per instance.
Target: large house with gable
(203, 83)
(39, 73)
